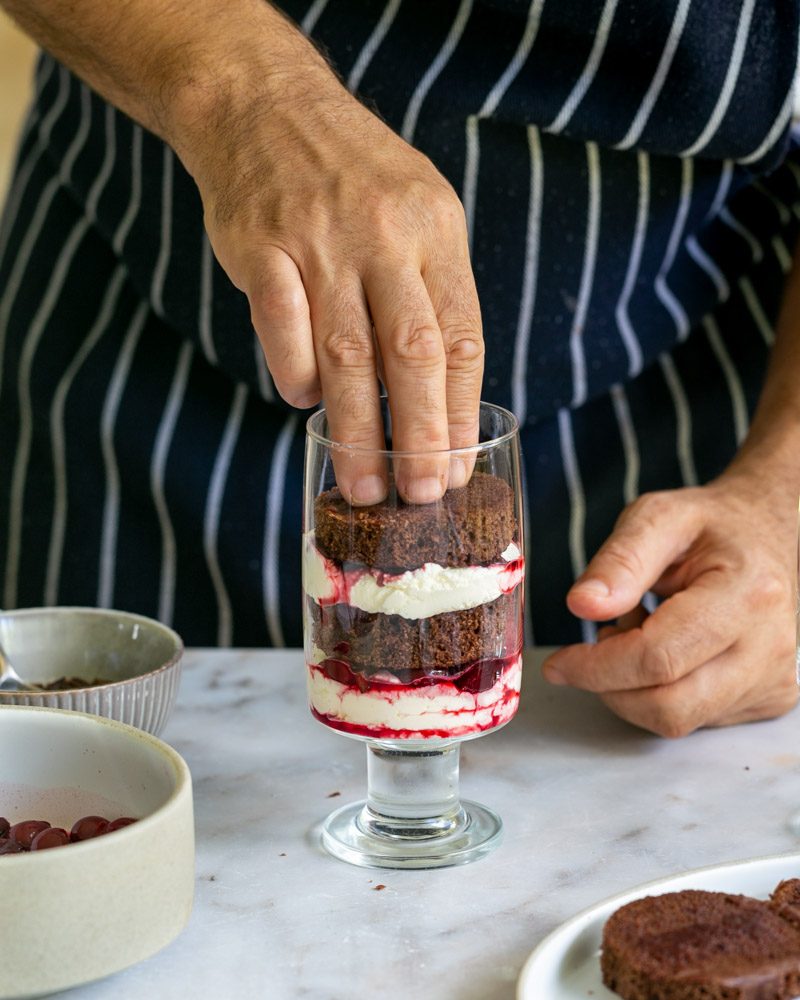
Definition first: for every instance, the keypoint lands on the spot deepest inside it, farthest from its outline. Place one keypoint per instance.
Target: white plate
(566, 965)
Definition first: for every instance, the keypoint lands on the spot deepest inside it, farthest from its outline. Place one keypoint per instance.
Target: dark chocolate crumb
(379, 886)
(332, 795)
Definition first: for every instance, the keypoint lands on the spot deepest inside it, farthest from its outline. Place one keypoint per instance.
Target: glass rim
(319, 415)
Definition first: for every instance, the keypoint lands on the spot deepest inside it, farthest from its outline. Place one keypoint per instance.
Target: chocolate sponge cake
(470, 526)
(417, 607)
(696, 945)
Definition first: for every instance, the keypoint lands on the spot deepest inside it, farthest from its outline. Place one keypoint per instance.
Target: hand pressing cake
(416, 614)
(695, 945)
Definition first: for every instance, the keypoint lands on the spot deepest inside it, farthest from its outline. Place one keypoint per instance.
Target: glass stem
(412, 794)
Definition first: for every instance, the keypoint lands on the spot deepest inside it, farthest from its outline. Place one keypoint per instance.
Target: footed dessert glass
(413, 633)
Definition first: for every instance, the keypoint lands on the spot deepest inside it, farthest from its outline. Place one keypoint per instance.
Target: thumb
(650, 535)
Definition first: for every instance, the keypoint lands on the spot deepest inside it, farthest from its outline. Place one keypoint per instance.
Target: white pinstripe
(124, 228)
(116, 386)
(165, 248)
(372, 44)
(624, 325)
(729, 83)
(99, 327)
(28, 241)
(23, 174)
(642, 116)
(22, 454)
(577, 502)
(724, 186)
(158, 464)
(630, 445)
(469, 190)
(216, 494)
(780, 123)
(511, 71)
(733, 223)
(313, 14)
(432, 73)
(765, 328)
(577, 355)
(683, 443)
(701, 258)
(584, 81)
(265, 384)
(493, 98)
(206, 296)
(272, 531)
(99, 183)
(782, 253)
(738, 402)
(665, 295)
(519, 372)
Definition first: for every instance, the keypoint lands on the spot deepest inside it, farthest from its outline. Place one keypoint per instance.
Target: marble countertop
(591, 806)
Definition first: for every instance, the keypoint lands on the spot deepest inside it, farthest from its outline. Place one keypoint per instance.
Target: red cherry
(5, 826)
(87, 827)
(52, 837)
(24, 832)
(8, 846)
(117, 824)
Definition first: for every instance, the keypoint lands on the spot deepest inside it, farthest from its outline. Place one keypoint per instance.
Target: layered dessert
(415, 613)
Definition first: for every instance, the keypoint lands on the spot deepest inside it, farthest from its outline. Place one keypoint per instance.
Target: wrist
(238, 90)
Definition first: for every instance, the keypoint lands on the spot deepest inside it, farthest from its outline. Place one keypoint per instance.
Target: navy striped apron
(632, 189)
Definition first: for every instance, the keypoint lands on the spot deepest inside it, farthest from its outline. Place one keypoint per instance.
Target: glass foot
(360, 836)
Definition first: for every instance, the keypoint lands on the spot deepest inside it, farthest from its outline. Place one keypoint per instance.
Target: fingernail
(592, 587)
(368, 490)
(552, 675)
(424, 490)
(459, 473)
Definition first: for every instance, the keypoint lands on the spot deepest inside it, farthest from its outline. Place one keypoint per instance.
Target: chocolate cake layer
(695, 945)
(442, 644)
(468, 527)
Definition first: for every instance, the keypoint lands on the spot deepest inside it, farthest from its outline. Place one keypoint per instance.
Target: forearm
(181, 70)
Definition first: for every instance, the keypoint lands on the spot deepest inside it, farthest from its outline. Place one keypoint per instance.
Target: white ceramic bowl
(76, 913)
(140, 657)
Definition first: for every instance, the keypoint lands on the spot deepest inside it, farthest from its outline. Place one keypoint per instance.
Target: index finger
(688, 629)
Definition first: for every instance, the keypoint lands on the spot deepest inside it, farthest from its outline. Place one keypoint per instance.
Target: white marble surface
(591, 806)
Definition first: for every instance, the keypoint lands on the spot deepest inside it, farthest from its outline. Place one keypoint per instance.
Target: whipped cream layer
(399, 711)
(418, 593)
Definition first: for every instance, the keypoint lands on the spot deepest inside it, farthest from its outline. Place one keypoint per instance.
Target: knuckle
(280, 306)
(354, 403)
(348, 349)
(416, 342)
(465, 350)
(769, 590)
(660, 665)
(651, 507)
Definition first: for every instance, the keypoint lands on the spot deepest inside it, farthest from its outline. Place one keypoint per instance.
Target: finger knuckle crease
(416, 342)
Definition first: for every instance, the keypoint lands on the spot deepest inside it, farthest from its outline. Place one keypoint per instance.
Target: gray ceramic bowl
(140, 658)
(76, 913)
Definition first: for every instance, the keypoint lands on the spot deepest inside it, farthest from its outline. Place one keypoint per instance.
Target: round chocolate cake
(696, 945)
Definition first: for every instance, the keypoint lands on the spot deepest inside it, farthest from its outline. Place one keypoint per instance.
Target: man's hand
(351, 247)
(352, 250)
(720, 648)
